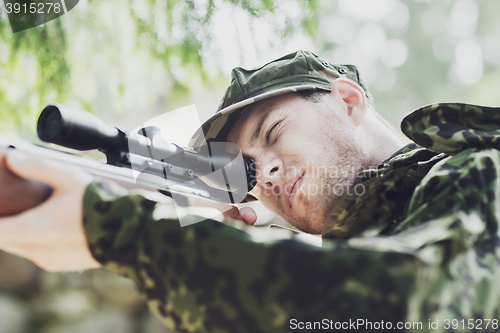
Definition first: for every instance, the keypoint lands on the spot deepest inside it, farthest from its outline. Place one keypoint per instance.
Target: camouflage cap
(298, 71)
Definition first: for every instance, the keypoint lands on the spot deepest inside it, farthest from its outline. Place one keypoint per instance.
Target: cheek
(294, 142)
(303, 139)
(268, 199)
(302, 144)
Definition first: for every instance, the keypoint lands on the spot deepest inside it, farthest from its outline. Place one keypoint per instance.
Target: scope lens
(250, 172)
(50, 125)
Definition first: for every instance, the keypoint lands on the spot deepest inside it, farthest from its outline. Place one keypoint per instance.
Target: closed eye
(268, 135)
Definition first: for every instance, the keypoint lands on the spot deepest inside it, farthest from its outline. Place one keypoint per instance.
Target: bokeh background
(131, 60)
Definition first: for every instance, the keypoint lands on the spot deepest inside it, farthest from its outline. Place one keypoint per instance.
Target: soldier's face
(307, 156)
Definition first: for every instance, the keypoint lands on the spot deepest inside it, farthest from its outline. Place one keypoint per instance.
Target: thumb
(248, 215)
(55, 174)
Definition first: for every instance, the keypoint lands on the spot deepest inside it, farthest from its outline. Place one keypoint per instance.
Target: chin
(310, 218)
(311, 229)
(311, 223)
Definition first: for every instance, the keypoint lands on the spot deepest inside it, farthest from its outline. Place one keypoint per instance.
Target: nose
(269, 172)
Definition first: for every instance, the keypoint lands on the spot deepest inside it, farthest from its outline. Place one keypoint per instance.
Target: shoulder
(465, 183)
(470, 167)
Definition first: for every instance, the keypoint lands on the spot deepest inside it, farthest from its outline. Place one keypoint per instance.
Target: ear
(353, 97)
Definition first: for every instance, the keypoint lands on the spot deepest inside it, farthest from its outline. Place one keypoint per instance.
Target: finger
(249, 215)
(232, 213)
(55, 174)
(226, 209)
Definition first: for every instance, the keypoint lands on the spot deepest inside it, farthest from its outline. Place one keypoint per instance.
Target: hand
(244, 214)
(51, 235)
(19, 194)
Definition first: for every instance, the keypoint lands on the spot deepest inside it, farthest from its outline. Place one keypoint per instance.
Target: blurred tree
(416, 52)
(40, 63)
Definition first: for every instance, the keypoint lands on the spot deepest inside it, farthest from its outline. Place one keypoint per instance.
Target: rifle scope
(82, 130)
(78, 129)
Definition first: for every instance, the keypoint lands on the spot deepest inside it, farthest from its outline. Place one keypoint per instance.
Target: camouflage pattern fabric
(420, 245)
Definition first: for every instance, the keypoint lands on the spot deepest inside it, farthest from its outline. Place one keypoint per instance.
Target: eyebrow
(258, 128)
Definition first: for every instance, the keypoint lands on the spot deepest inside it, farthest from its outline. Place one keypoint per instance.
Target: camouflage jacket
(419, 247)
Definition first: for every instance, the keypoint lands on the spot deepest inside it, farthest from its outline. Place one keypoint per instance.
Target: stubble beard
(337, 174)
(319, 198)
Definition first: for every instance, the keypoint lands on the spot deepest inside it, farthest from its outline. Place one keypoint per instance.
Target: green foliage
(52, 72)
(175, 33)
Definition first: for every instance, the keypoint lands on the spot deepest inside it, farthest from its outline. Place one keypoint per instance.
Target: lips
(296, 181)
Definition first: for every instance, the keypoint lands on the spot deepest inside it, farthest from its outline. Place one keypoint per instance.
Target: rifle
(215, 171)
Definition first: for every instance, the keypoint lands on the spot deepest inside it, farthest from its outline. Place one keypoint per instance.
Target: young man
(410, 234)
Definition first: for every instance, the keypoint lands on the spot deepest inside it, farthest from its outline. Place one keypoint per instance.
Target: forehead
(256, 114)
